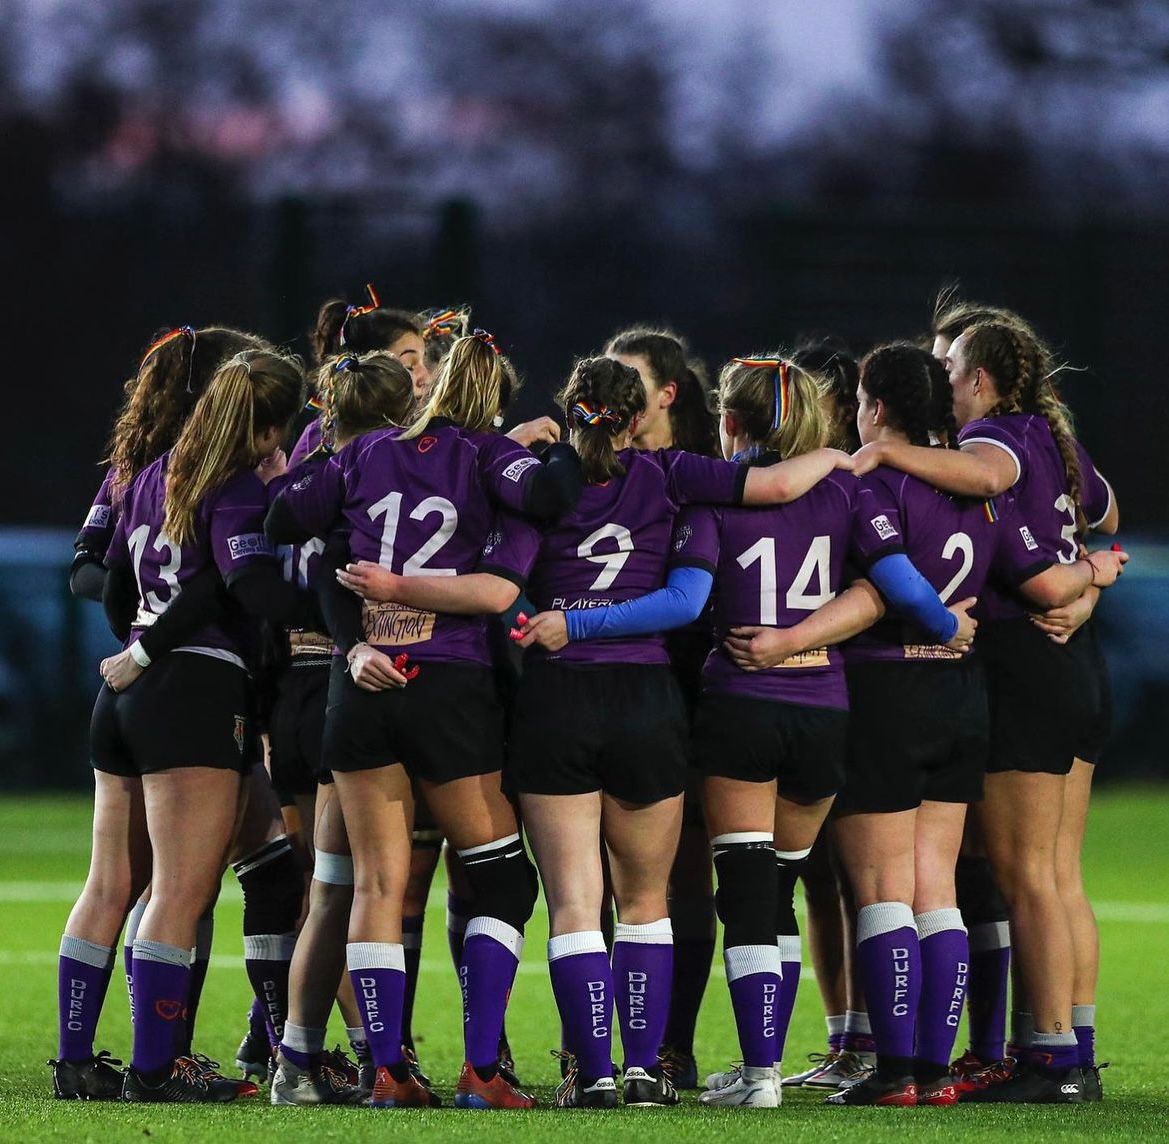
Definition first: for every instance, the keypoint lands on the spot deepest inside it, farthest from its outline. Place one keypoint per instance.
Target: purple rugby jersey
(425, 506)
(99, 524)
(773, 566)
(956, 543)
(308, 442)
(615, 545)
(1046, 510)
(229, 533)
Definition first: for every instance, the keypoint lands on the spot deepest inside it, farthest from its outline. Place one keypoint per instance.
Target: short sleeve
(878, 529)
(511, 548)
(1017, 555)
(1096, 493)
(997, 432)
(315, 497)
(506, 468)
(695, 540)
(236, 527)
(98, 528)
(694, 479)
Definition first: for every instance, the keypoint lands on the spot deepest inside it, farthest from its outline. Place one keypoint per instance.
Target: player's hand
(369, 580)
(272, 466)
(755, 648)
(1107, 565)
(842, 460)
(967, 625)
(373, 670)
(120, 670)
(548, 629)
(1060, 624)
(541, 431)
(868, 457)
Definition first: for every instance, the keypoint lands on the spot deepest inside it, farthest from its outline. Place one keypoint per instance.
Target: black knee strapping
(273, 888)
(979, 897)
(787, 871)
(503, 881)
(747, 886)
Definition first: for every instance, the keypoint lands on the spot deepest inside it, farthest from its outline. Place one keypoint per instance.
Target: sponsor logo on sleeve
(99, 516)
(682, 537)
(303, 483)
(1028, 539)
(249, 544)
(516, 468)
(884, 529)
(493, 542)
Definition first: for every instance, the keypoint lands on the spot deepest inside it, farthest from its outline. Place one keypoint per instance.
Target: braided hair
(916, 392)
(1024, 377)
(600, 400)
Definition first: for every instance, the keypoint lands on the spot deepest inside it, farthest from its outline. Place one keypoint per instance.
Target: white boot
(749, 1088)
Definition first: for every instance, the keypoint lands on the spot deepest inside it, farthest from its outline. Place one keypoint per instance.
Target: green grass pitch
(43, 854)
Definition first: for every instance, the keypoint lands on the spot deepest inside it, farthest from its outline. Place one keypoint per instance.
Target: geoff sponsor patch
(516, 468)
(392, 625)
(883, 528)
(1028, 539)
(99, 516)
(249, 544)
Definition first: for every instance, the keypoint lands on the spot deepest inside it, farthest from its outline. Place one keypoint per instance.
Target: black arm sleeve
(281, 525)
(201, 602)
(555, 488)
(119, 598)
(87, 576)
(263, 592)
(340, 607)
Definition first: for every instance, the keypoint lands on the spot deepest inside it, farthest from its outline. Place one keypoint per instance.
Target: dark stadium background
(746, 172)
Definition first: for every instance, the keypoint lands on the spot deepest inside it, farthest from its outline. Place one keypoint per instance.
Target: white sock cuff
(508, 936)
(471, 851)
(355, 1036)
(133, 921)
(87, 952)
(882, 917)
(938, 921)
(303, 1039)
(1052, 1040)
(375, 955)
(739, 837)
(986, 936)
(269, 946)
(333, 869)
(790, 947)
(743, 960)
(857, 1022)
(792, 855)
(660, 932)
(570, 944)
(147, 950)
(1084, 1016)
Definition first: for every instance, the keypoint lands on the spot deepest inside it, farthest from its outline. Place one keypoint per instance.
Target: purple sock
(582, 982)
(753, 974)
(302, 1046)
(83, 975)
(945, 965)
(858, 1033)
(458, 910)
(790, 956)
(1058, 1051)
(890, 968)
(133, 920)
(491, 953)
(378, 972)
(643, 965)
(267, 958)
(1084, 1027)
(162, 976)
(990, 964)
(412, 951)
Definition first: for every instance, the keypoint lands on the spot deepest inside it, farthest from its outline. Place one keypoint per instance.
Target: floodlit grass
(43, 853)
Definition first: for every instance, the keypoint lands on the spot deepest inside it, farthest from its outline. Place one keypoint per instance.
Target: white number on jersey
(297, 556)
(390, 506)
(169, 572)
(816, 563)
(958, 545)
(1064, 503)
(613, 561)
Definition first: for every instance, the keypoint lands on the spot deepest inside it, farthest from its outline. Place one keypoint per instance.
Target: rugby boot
(409, 1093)
(188, 1083)
(754, 1088)
(473, 1092)
(573, 1092)
(97, 1078)
(642, 1088)
(901, 1092)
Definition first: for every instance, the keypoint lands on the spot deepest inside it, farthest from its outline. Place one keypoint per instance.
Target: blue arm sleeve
(909, 593)
(680, 602)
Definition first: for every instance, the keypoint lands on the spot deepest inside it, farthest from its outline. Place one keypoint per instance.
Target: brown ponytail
(600, 400)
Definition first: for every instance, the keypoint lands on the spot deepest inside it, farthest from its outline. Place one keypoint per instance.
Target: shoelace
(192, 1070)
(337, 1061)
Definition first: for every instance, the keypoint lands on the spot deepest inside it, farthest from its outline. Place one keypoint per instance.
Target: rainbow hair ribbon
(357, 311)
(442, 325)
(169, 336)
(782, 384)
(589, 415)
(487, 339)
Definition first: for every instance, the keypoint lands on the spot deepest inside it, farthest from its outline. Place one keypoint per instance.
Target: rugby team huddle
(705, 639)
